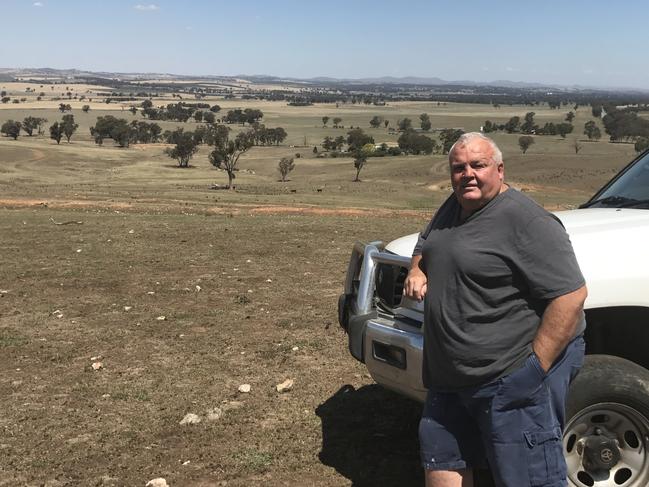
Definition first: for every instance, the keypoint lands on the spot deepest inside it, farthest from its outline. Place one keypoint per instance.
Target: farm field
(179, 294)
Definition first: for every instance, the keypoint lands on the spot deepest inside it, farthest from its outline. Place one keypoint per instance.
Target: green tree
(324, 121)
(359, 163)
(404, 124)
(5, 99)
(513, 125)
(564, 129)
(642, 144)
(285, 166)
(133, 110)
(208, 117)
(337, 121)
(11, 128)
(85, 108)
(425, 122)
(386, 123)
(56, 132)
(591, 130)
(528, 126)
(69, 127)
(524, 142)
(63, 107)
(414, 143)
(227, 152)
(376, 122)
(356, 139)
(30, 124)
(198, 116)
(448, 138)
(489, 126)
(570, 116)
(184, 150)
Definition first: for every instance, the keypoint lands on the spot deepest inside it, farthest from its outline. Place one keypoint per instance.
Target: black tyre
(607, 433)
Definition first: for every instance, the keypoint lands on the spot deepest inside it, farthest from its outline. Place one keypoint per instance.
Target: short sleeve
(422, 238)
(547, 259)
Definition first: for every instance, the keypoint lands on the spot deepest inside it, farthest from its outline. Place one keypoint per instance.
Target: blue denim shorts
(513, 425)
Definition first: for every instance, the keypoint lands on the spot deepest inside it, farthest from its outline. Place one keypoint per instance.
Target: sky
(568, 42)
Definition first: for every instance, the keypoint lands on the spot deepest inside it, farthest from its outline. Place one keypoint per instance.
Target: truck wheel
(606, 439)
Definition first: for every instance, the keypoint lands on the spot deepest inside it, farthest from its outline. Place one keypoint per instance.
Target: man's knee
(449, 478)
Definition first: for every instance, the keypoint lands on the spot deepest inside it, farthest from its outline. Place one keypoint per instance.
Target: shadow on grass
(369, 435)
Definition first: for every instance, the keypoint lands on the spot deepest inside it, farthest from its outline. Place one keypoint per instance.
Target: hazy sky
(597, 43)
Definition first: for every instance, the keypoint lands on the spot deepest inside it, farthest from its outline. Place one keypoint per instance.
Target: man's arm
(415, 284)
(558, 326)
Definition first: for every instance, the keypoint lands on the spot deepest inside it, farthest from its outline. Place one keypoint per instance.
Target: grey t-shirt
(490, 278)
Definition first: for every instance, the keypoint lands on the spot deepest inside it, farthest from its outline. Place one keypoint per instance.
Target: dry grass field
(183, 293)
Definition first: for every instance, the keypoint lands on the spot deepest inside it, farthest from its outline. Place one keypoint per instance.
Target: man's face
(475, 178)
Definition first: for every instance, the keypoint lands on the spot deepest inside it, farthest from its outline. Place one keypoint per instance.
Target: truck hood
(610, 245)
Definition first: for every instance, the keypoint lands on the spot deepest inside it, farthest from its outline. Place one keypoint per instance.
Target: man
(503, 326)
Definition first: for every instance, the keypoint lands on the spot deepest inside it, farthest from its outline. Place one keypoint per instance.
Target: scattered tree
(448, 138)
(198, 116)
(11, 128)
(376, 122)
(386, 123)
(642, 144)
(413, 143)
(591, 130)
(85, 108)
(512, 125)
(337, 121)
(31, 123)
(5, 99)
(56, 132)
(425, 122)
(356, 139)
(133, 110)
(570, 116)
(64, 107)
(404, 124)
(184, 150)
(324, 121)
(227, 152)
(285, 166)
(359, 162)
(577, 146)
(564, 128)
(208, 117)
(528, 126)
(524, 142)
(69, 127)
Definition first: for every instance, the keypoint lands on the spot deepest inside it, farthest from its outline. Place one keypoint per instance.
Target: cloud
(38, 4)
(146, 8)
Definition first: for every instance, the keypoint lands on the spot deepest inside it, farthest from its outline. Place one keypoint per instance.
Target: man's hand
(416, 282)
(560, 319)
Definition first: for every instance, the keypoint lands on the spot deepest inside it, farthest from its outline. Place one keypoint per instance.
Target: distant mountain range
(9, 73)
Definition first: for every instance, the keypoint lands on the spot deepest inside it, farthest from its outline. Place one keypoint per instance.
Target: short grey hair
(496, 154)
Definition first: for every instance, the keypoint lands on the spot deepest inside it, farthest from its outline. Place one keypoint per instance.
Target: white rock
(214, 414)
(97, 366)
(269, 280)
(128, 308)
(187, 462)
(161, 318)
(245, 388)
(131, 231)
(248, 261)
(95, 358)
(150, 293)
(105, 396)
(295, 349)
(78, 251)
(4, 291)
(190, 418)
(198, 288)
(285, 386)
(159, 482)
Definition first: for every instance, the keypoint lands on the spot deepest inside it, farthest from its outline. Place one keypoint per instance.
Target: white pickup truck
(606, 439)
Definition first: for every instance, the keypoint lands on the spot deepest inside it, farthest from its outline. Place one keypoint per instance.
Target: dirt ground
(246, 298)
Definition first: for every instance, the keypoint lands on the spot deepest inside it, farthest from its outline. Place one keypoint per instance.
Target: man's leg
(449, 442)
(460, 478)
